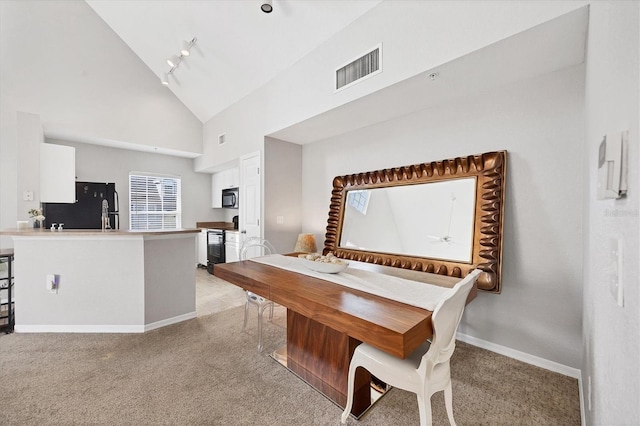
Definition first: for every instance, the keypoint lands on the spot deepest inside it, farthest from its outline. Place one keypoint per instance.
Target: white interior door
(250, 195)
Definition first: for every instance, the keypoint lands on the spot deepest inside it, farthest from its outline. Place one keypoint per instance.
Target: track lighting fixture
(186, 47)
(266, 6)
(175, 61)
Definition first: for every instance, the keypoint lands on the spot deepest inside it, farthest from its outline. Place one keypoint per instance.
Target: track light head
(266, 6)
(165, 79)
(186, 47)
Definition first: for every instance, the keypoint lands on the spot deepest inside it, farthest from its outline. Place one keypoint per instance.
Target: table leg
(320, 355)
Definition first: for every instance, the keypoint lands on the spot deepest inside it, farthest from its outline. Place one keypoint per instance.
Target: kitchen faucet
(105, 215)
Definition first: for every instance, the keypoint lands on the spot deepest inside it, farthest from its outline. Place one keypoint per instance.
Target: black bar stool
(7, 320)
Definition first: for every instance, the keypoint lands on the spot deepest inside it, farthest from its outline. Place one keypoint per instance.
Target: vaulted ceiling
(239, 48)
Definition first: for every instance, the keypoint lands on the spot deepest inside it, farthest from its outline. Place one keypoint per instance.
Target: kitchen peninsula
(107, 281)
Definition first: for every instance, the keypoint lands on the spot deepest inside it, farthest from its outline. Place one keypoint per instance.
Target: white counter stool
(7, 320)
(254, 247)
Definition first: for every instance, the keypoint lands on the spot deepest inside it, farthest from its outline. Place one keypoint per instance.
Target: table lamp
(306, 244)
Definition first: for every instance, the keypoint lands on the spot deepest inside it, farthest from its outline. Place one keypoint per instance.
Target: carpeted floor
(206, 371)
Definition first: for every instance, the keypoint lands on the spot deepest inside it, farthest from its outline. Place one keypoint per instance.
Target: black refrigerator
(86, 212)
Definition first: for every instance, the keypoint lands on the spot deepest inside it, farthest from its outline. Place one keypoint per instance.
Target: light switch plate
(52, 282)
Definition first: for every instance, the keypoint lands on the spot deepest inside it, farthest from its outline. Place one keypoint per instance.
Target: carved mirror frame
(489, 169)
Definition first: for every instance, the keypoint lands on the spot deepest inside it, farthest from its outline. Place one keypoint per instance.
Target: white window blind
(154, 202)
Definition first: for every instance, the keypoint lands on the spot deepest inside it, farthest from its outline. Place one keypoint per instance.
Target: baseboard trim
(29, 328)
(170, 321)
(66, 328)
(521, 356)
(583, 417)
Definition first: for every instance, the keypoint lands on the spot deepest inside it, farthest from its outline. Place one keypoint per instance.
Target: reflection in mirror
(432, 220)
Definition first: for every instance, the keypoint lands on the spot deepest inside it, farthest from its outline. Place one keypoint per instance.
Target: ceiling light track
(175, 61)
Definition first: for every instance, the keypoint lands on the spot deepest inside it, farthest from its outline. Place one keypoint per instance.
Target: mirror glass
(433, 220)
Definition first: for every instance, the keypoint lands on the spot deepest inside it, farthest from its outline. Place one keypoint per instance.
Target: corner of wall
(611, 333)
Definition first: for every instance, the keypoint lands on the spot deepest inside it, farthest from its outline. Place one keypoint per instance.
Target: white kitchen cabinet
(234, 178)
(57, 173)
(229, 178)
(233, 241)
(202, 248)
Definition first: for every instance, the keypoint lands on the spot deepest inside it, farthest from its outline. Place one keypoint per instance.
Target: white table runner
(414, 293)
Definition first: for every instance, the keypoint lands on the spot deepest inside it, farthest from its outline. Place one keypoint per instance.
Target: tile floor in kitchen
(215, 295)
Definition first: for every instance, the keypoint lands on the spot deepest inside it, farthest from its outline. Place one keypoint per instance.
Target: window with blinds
(154, 202)
(359, 200)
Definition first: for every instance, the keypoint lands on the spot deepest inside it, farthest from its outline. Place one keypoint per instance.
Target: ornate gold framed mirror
(443, 217)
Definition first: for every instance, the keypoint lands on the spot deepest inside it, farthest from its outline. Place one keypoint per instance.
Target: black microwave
(230, 198)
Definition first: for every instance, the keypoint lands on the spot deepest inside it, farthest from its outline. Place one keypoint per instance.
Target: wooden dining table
(327, 321)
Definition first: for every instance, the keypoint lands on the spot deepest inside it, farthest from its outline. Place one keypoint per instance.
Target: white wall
(540, 123)
(87, 298)
(29, 130)
(60, 61)
(169, 293)
(69, 67)
(416, 36)
(283, 193)
(612, 333)
(104, 164)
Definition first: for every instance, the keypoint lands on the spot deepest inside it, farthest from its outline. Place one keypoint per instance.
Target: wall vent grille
(366, 65)
(222, 139)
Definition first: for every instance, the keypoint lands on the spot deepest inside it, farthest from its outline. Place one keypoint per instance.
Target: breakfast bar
(93, 281)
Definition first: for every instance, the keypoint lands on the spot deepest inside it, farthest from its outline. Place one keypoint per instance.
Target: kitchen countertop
(41, 232)
(227, 226)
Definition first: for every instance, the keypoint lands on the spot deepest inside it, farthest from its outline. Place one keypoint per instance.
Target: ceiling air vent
(222, 139)
(365, 66)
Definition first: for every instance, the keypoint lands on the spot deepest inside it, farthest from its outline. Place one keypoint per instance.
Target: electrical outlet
(27, 196)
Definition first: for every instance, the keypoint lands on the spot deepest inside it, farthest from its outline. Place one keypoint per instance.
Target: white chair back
(255, 247)
(445, 319)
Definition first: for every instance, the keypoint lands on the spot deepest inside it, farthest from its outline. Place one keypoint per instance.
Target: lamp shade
(306, 244)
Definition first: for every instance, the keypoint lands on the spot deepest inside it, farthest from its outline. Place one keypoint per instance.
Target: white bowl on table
(324, 267)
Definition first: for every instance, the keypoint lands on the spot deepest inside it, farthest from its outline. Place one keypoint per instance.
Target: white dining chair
(254, 247)
(426, 370)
